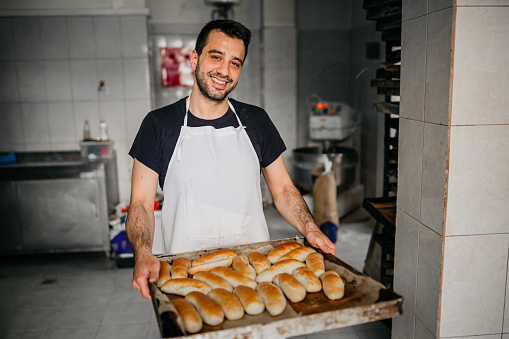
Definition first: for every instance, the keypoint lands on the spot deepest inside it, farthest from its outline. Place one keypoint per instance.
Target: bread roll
(300, 253)
(333, 285)
(281, 250)
(273, 298)
(258, 261)
(190, 317)
(213, 280)
(241, 265)
(208, 266)
(285, 266)
(308, 279)
(180, 267)
(250, 300)
(290, 287)
(215, 256)
(315, 263)
(232, 308)
(234, 278)
(164, 273)
(210, 311)
(183, 286)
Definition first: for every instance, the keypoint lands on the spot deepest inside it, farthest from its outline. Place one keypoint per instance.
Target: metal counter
(55, 202)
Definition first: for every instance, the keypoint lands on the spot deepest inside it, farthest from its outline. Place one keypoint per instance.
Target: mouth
(219, 83)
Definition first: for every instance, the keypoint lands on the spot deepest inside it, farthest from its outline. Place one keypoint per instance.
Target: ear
(194, 59)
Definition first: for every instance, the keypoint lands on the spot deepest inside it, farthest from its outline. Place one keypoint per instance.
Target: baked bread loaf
(290, 287)
(281, 250)
(250, 300)
(180, 267)
(210, 311)
(285, 266)
(300, 253)
(213, 280)
(241, 265)
(234, 278)
(232, 308)
(215, 256)
(184, 286)
(273, 298)
(315, 263)
(258, 261)
(308, 279)
(333, 285)
(190, 317)
(208, 266)
(164, 273)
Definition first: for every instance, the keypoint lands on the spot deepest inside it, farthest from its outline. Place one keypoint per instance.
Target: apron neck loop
(229, 104)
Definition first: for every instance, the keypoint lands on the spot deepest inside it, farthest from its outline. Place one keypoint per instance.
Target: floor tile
(130, 313)
(29, 320)
(78, 317)
(128, 331)
(74, 333)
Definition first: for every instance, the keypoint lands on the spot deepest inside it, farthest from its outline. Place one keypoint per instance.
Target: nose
(223, 68)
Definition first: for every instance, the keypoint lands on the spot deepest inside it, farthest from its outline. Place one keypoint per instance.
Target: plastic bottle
(86, 130)
(104, 131)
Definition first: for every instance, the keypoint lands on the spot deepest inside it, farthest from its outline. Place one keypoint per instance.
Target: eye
(236, 64)
(216, 57)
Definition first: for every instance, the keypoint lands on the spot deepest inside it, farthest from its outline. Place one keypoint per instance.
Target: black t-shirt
(156, 139)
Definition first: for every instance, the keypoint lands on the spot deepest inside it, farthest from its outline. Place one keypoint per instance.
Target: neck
(204, 108)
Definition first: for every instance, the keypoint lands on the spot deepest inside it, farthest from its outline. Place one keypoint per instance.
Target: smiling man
(206, 152)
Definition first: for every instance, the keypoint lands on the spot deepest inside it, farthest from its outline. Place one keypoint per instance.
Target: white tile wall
(107, 36)
(481, 66)
(413, 9)
(278, 13)
(437, 5)
(84, 82)
(57, 78)
(473, 285)
(8, 82)
(438, 65)
(413, 68)
(406, 259)
(27, 38)
(433, 176)
(410, 166)
(86, 111)
(111, 72)
(421, 331)
(61, 122)
(134, 36)
(81, 37)
(506, 305)
(7, 52)
(136, 78)
(35, 122)
(478, 184)
(54, 38)
(31, 81)
(428, 278)
(403, 327)
(11, 128)
(481, 2)
(136, 110)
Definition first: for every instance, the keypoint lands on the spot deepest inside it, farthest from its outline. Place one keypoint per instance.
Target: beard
(209, 93)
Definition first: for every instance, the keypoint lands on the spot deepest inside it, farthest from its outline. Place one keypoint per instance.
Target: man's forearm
(294, 209)
(140, 229)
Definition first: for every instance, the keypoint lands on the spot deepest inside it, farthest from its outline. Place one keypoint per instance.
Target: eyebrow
(222, 53)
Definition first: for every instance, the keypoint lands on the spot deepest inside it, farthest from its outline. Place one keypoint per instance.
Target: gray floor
(87, 296)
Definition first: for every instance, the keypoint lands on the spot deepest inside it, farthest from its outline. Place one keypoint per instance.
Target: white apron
(212, 195)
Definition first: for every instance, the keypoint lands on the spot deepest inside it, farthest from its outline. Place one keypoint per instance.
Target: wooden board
(365, 300)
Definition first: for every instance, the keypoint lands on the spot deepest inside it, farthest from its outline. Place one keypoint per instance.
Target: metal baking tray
(365, 300)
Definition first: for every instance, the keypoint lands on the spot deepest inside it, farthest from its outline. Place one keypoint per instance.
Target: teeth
(219, 82)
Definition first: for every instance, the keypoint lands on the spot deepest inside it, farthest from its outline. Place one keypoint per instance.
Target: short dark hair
(231, 28)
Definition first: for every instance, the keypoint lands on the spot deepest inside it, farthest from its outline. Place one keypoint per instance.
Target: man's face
(217, 69)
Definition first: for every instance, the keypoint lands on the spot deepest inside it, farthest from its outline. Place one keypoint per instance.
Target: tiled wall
(50, 71)
(452, 235)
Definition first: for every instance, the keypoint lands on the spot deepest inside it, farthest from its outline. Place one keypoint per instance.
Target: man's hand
(321, 241)
(146, 269)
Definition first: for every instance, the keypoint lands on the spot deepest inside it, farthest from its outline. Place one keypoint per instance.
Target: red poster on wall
(176, 68)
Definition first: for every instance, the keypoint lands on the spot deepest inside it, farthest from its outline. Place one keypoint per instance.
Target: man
(207, 151)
